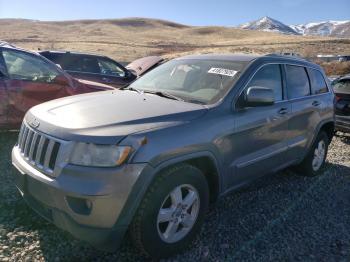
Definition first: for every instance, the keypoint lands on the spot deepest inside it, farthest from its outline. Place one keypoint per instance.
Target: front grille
(38, 149)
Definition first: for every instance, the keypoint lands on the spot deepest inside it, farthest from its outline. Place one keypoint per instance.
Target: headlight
(99, 155)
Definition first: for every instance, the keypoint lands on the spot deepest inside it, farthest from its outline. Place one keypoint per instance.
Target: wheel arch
(205, 161)
(327, 126)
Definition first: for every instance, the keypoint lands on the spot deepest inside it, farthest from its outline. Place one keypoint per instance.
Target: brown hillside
(130, 38)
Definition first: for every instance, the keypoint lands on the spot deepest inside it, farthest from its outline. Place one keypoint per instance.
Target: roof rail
(4, 43)
(288, 54)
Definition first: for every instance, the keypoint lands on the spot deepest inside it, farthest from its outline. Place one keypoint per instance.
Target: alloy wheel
(178, 213)
(319, 155)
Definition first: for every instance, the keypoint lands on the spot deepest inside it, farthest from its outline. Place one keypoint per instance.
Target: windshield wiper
(158, 93)
(130, 88)
(164, 94)
(195, 101)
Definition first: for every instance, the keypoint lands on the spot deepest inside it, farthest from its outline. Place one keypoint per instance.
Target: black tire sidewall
(151, 241)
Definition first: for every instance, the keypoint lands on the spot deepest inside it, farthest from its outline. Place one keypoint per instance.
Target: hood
(86, 86)
(142, 65)
(107, 117)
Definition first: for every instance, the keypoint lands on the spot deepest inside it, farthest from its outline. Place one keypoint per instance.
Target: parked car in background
(155, 154)
(332, 78)
(28, 79)
(341, 88)
(100, 68)
(145, 64)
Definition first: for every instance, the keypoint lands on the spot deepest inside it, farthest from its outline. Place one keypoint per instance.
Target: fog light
(79, 205)
(89, 204)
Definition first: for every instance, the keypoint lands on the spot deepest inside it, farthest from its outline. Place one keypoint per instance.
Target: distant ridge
(269, 24)
(129, 21)
(325, 28)
(330, 28)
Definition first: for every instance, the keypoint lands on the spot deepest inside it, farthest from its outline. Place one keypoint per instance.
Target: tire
(157, 239)
(308, 166)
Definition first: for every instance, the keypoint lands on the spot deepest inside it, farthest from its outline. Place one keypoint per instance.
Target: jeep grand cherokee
(151, 157)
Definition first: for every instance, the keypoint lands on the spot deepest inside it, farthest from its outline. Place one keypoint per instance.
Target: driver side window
(269, 76)
(110, 68)
(22, 66)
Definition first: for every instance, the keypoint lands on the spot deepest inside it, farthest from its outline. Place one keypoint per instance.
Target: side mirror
(259, 96)
(61, 80)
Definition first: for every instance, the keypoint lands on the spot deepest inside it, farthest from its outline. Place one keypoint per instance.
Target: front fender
(147, 177)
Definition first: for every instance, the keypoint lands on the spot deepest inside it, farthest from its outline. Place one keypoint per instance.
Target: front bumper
(87, 202)
(342, 123)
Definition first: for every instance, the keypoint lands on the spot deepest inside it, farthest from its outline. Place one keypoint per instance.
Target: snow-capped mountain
(269, 24)
(325, 28)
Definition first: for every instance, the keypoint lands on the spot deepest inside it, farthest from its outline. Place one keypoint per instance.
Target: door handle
(283, 111)
(316, 103)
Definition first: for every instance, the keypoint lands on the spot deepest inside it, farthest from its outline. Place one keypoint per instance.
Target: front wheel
(172, 212)
(314, 161)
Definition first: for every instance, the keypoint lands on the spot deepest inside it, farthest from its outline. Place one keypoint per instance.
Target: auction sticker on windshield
(222, 71)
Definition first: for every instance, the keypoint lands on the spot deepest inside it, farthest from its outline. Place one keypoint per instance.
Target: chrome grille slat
(38, 149)
(32, 146)
(20, 136)
(48, 154)
(25, 133)
(54, 155)
(28, 143)
(36, 145)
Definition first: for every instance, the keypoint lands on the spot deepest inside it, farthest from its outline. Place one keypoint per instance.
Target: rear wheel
(314, 161)
(171, 213)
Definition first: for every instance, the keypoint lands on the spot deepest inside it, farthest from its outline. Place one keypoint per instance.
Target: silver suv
(150, 158)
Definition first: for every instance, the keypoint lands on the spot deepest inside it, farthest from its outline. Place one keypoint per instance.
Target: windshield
(193, 80)
(342, 85)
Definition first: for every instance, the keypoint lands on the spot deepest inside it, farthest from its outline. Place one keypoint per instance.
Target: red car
(28, 79)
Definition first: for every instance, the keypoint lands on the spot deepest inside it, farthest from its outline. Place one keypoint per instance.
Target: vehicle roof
(10, 46)
(223, 57)
(71, 52)
(346, 77)
(251, 57)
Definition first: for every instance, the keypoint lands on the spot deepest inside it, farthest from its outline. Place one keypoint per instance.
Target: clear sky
(191, 12)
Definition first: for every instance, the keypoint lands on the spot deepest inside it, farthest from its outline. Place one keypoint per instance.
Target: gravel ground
(283, 217)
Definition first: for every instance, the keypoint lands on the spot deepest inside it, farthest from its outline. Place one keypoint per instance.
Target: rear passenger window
(269, 76)
(318, 84)
(297, 82)
(53, 57)
(78, 63)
